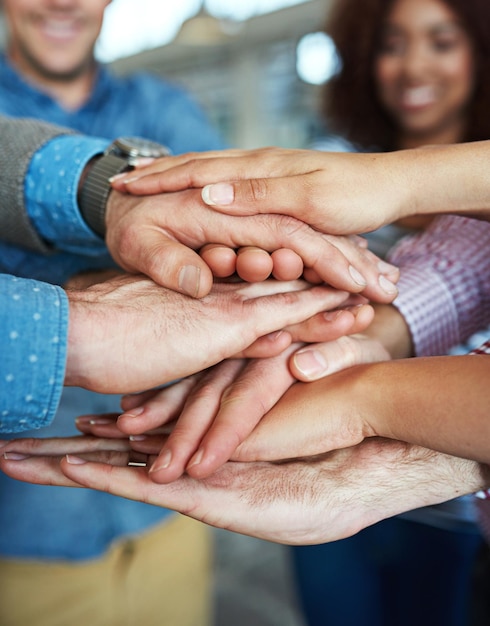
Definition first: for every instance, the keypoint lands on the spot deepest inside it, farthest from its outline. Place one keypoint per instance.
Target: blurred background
(256, 66)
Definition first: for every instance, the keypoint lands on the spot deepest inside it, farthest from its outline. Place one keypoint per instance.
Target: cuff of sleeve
(429, 310)
(51, 190)
(33, 331)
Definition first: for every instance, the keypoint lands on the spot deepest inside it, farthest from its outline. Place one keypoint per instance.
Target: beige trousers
(161, 578)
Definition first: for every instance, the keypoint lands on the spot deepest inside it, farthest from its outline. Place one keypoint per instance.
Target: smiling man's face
(53, 39)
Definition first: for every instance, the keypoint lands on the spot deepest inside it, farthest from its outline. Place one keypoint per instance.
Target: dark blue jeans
(396, 573)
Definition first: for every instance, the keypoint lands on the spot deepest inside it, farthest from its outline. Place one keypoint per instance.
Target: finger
(158, 410)
(287, 264)
(132, 400)
(148, 443)
(242, 406)
(45, 470)
(37, 470)
(31, 446)
(166, 261)
(253, 264)
(245, 498)
(104, 425)
(316, 361)
(173, 173)
(332, 325)
(378, 285)
(220, 259)
(269, 345)
(198, 414)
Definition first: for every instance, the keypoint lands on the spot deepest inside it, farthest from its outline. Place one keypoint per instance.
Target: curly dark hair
(350, 103)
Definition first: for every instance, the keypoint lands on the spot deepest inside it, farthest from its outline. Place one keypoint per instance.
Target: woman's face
(424, 71)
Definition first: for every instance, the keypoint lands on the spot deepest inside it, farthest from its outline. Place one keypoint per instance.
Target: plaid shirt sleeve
(444, 287)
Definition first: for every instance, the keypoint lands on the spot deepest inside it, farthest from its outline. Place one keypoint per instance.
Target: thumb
(322, 359)
(170, 264)
(288, 196)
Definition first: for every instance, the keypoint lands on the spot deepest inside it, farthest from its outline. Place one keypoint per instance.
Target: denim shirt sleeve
(51, 187)
(33, 345)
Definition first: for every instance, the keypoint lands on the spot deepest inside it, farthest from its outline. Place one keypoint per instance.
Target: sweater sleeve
(20, 138)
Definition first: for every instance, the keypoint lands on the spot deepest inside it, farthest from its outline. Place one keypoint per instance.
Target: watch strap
(96, 188)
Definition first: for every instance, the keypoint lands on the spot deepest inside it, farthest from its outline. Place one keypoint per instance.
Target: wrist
(446, 179)
(390, 328)
(80, 346)
(121, 156)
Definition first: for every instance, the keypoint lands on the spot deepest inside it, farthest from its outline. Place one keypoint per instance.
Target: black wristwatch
(119, 157)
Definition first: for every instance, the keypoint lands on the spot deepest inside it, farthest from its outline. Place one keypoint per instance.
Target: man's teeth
(59, 28)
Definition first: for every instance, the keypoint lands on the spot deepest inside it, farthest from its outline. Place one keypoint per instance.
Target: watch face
(134, 147)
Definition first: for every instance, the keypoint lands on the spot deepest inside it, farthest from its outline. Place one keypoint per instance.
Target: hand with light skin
(436, 402)
(387, 337)
(217, 409)
(127, 333)
(158, 236)
(305, 501)
(338, 193)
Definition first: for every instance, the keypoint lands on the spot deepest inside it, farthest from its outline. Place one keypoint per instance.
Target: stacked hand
(303, 501)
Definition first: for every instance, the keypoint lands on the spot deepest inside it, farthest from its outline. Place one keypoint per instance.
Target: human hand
(212, 412)
(157, 236)
(336, 193)
(253, 264)
(307, 501)
(129, 334)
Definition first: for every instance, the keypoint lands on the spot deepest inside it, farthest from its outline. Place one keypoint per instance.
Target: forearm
(438, 402)
(445, 179)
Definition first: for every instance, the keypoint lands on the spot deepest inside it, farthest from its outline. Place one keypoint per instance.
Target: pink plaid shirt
(444, 287)
(444, 294)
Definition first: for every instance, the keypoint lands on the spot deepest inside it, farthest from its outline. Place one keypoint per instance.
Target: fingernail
(274, 336)
(75, 460)
(197, 458)
(131, 179)
(136, 412)
(386, 268)
(331, 316)
(142, 161)
(310, 363)
(189, 280)
(137, 437)
(83, 419)
(100, 421)
(386, 285)
(218, 194)
(162, 462)
(356, 276)
(14, 456)
(117, 177)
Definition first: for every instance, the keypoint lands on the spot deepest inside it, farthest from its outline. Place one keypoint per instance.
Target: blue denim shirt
(51, 522)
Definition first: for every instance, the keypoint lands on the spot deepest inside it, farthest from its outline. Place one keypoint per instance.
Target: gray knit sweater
(20, 139)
